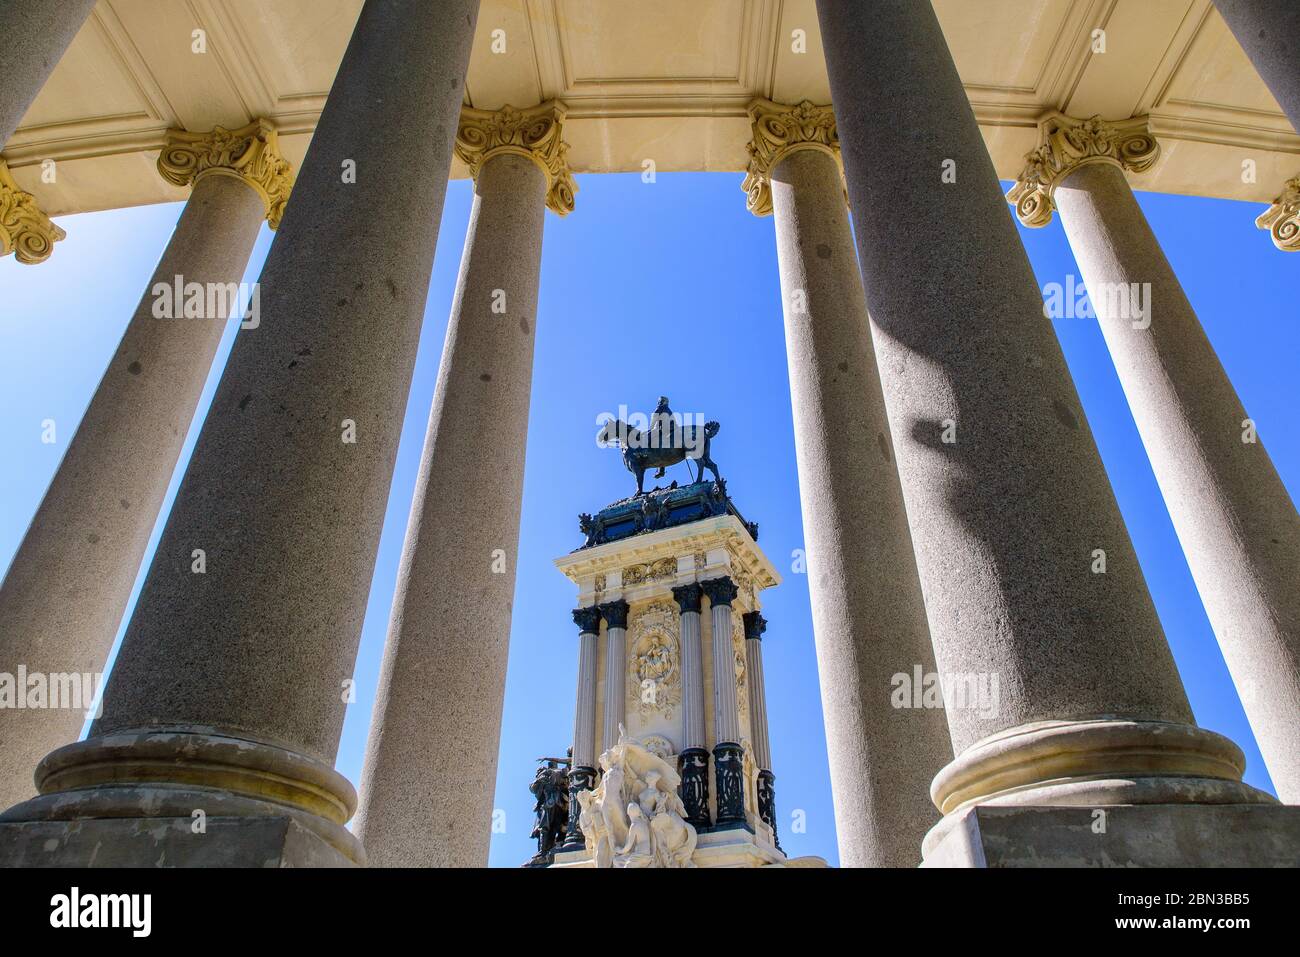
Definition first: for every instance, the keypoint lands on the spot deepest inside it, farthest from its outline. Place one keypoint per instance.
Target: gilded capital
(250, 153)
(25, 230)
(1282, 219)
(777, 131)
(1067, 144)
(536, 133)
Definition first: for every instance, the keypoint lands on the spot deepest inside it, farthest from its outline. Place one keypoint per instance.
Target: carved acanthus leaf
(779, 130)
(1067, 144)
(536, 133)
(251, 153)
(1282, 219)
(25, 230)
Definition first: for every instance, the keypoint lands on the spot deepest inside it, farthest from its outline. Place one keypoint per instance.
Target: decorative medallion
(654, 660)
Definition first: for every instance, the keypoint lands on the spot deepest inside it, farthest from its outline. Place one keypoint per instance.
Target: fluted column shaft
(615, 615)
(755, 625)
(1234, 518)
(1269, 32)
(238, 675)
(443, 678)
(869, 617)
(693, 754)
(1006, 495)
(582, 770)
(65, 591)
(34, 34)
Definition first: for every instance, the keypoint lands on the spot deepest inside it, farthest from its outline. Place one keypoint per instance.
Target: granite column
(64, 593)
(869, 619)
(431, 759)
(1061, 687)
(229, 692)
(1235, 521)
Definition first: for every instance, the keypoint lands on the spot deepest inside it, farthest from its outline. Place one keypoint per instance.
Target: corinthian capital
(778, 131)
(1067, 144)
(536, 133)
(1282, 219)
(251, 153)
(25, 231)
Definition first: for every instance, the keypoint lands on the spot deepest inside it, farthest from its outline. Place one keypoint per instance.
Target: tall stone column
(1269, 32)
(430, 770)
(615, 615)
(64, 594)
(229, 691)
(34, 35)
(1233, 516)
(1069, 692)
(755, 625)
(693, 753)
(582, 772)
(728, 756)
(868, 613)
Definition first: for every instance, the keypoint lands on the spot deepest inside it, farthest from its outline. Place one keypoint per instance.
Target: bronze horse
(639, 454)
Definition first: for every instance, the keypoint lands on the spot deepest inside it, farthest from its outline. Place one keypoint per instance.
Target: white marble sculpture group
(634, 817)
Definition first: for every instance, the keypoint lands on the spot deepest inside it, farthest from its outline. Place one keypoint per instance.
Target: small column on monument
(582, 772)
(65, 591)
(615, 615)
(755, 625)
(693, 755)
(1234, 518)
(728, 756)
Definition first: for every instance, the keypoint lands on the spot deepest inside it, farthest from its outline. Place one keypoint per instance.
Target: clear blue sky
(667, 288)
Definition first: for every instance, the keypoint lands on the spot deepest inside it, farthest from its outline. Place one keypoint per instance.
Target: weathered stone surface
(166, 842)
(36, 33)
(1152, 835)
(868, 614)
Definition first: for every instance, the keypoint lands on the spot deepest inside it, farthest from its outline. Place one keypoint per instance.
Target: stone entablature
(723, 541)
(1067, 144)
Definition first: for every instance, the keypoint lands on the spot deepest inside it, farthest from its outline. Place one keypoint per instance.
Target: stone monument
(672, 764)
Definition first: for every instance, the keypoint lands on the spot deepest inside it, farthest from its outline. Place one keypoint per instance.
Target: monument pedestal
(1132, 835)
(166, 842)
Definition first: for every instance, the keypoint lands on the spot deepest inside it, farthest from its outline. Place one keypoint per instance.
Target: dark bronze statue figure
(550, 787)
(664, 444)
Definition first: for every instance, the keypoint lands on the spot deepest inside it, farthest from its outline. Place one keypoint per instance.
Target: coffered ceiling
(666, 81)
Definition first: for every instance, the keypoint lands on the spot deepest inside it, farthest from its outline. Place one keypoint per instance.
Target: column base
(162, 776)
(693, 766)
(581, 779)
(1102, 762)
(1150, 835)
(729, 772)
